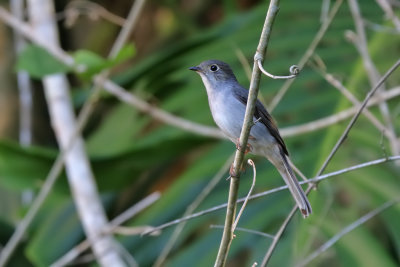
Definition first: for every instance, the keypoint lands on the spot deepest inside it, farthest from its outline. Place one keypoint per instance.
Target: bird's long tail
(297, 192)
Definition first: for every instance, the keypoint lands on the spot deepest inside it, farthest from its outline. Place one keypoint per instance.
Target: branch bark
(244, 135)
(80, 176)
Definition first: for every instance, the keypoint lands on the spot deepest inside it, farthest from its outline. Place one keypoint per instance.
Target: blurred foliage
(133, 155)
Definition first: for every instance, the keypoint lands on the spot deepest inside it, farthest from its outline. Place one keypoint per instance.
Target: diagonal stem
(334, 150)
(247, 123)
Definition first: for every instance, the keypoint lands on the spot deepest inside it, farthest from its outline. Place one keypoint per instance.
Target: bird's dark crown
(217, 68)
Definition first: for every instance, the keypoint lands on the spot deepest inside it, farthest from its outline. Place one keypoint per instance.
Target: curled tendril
(294, 69)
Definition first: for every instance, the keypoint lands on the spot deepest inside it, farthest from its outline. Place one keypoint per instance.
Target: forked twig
(330, 156)
(275, 190)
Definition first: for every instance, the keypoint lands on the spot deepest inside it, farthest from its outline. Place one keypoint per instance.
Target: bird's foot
(248, 146)
(233, 173)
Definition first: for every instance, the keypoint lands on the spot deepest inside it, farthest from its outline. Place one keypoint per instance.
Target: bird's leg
(232, 172)
(248, 146)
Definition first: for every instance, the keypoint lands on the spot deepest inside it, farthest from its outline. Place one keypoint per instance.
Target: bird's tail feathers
(294, 187)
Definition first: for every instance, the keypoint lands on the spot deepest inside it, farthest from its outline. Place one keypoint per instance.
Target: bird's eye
(214, 68)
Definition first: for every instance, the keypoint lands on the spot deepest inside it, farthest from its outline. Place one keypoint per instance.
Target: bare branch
(58, 164)
(189, 210)
(89, 8)
(244, 230)
(251, 163)
(113, 227)
(387, 8)
(157, 113)
(360, 41)
(244, 135)
(274, 190)
(338, 85)
(355, 117)
(338, 117)
(277, 236)
(309, 52)
(79, 173)
(325, 164)
(113, 88)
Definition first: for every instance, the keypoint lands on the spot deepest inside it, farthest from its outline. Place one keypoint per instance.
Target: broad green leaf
(57, 233)
(93, 63)
(126, 52)
(38, 62)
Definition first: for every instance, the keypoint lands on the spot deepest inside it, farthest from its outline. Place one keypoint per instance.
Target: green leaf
(126, 52)
(23, 168)
(92, 61)
(38, 62)
(56, 233)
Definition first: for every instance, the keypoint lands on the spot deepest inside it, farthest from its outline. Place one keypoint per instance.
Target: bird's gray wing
(264, 117)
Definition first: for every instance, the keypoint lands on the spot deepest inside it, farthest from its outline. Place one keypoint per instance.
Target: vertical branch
(227, 235)
(23, 81)
(189, 210)
(25, 93)
(80, 176)
(56, 169)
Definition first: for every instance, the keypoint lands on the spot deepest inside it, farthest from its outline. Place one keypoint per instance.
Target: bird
(227, 100)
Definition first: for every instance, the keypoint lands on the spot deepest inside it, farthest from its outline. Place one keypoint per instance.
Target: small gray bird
(227, 100)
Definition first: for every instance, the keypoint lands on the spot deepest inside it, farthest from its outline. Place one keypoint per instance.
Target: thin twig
(59, 162)
(360, 41)
(274, 190)
(387, 8)
(309, 52)
(347, 230)
(112, 228)
(335, 118)
(113, 88)
(297, 171)
(277, 236)
(338, 85)
(244, 135)
(244, 230)
(355, 117)
(251, 163)
(91, 9)
(325, 164)
(243, 61)
(190, 209)
(157, 113)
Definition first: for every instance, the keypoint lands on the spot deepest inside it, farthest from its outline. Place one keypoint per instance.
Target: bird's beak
(196, 68)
